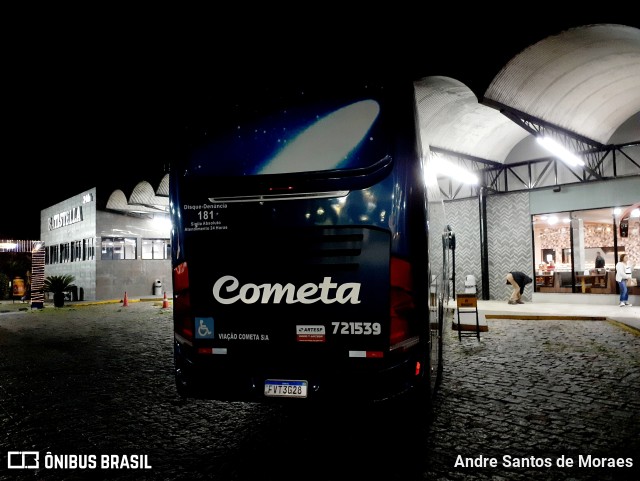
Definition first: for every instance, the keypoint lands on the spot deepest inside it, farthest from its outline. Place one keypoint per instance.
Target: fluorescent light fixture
(558, 150)
(454, 171)
(430, 173)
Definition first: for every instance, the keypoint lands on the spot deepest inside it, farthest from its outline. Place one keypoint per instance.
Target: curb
(117, 301)
(632, 329)
(544, 317)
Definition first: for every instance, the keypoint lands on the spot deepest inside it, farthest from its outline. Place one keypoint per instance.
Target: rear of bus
(300, 260)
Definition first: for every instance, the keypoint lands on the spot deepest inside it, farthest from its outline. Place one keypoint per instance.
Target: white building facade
(109, 252)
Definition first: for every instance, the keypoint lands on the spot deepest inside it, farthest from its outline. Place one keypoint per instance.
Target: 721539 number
(357, 328)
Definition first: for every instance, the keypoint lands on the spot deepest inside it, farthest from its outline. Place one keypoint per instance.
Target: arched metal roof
(118, 201)
(144, 195)
(585, 80)
(451, 119)
(580, 86)
(163, 188)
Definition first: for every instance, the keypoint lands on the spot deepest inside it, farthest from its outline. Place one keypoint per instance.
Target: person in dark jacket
(599, 261)
(518, 280)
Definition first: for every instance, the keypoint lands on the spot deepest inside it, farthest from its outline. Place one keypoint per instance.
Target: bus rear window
(292, 138)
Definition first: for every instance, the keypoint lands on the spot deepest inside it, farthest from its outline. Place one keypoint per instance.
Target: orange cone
(125, 303)
(165, 302)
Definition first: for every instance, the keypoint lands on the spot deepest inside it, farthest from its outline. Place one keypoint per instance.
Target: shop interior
(566, 245)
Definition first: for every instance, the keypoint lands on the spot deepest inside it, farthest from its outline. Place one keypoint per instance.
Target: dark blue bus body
(300, 246)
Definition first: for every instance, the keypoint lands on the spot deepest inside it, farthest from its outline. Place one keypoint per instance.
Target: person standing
(621, 279)
(599, 261)
(518, 280)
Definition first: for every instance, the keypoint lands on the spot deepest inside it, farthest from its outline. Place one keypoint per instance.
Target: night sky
(105, 106)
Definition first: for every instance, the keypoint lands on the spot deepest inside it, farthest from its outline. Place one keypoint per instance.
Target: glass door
(576, 252)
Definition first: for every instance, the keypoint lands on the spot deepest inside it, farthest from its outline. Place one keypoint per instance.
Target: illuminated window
(156, 249)
(118, 248)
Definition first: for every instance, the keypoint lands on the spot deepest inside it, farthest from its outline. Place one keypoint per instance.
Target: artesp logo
(23, 459)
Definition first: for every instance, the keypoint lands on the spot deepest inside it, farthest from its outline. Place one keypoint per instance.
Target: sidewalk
(629, 316)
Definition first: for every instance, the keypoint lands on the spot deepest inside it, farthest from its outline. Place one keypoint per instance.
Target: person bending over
(518, 280)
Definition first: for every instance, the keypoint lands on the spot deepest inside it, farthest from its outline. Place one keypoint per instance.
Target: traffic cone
(165, 302)
(125, 303)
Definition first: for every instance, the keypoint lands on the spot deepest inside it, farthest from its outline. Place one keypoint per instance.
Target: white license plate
(285, 388)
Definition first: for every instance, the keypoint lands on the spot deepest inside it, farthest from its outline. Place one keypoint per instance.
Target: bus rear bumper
(215, 380)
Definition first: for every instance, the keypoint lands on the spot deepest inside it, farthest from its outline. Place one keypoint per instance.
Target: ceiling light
(454, 171)
(563, 154)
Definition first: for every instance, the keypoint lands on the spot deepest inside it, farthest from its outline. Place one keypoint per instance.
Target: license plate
(285, 388)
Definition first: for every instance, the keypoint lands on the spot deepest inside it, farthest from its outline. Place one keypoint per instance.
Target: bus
(300, 246)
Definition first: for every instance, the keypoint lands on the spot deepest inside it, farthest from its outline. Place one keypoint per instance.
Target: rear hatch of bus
(296, 311)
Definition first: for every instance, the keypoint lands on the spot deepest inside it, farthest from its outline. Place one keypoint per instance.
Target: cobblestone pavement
(91, 381)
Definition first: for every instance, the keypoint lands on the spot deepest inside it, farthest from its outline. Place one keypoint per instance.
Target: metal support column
(484, 249)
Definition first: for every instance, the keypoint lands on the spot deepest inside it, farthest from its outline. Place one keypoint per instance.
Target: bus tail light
(401, 300)
(181, 277)
(182, 321)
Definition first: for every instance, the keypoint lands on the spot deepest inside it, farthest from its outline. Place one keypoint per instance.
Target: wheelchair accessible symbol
(204, 327)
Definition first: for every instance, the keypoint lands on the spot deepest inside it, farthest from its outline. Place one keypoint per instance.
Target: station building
(110, 242)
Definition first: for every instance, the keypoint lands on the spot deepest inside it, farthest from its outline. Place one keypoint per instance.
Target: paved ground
(97, 380)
